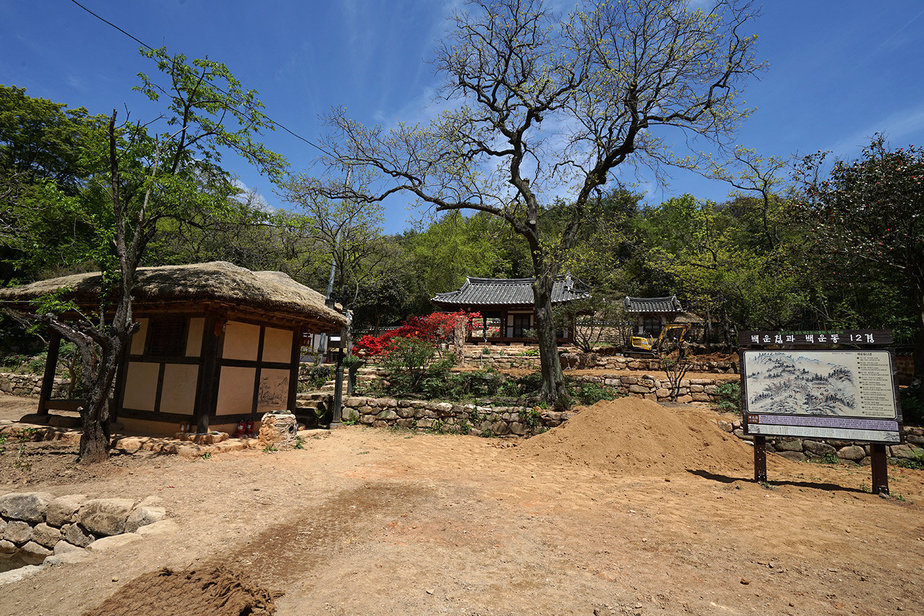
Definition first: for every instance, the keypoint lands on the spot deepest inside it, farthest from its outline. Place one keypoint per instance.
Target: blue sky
(839, 70)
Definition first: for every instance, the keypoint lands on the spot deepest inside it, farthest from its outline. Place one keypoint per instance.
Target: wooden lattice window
(166, 337)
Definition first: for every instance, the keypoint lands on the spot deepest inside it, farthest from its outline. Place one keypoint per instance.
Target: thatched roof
(273, 293)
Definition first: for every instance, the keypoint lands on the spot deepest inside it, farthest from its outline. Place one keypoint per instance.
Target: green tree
(868, 214)
(150, 177)
(541, 104)
(43, 162)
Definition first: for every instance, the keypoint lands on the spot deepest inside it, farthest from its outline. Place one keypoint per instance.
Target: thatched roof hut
(218, 283)
(216, 344)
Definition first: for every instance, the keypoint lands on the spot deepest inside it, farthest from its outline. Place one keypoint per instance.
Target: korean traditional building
(651, 314)
(506, 305)
(217, 344)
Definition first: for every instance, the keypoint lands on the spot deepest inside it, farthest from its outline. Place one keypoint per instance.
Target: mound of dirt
(214, 591)
(638, 436)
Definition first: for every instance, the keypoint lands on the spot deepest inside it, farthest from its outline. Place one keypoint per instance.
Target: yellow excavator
(648, 346)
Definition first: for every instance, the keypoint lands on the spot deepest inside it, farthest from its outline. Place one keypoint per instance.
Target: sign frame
(813, 341)
(856, 427)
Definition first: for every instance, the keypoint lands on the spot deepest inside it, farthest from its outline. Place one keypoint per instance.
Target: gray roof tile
(506, 292)
(653, 304)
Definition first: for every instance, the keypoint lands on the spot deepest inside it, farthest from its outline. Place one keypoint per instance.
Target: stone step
(314, 395)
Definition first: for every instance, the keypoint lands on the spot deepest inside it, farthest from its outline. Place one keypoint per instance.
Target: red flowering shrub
(434, 328)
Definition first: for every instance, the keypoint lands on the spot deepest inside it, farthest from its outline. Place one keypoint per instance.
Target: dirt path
(370, 521)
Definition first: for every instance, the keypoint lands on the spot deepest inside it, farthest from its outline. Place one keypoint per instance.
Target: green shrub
(316, 378)
(406, 365)
(590, 393)
(728, 397)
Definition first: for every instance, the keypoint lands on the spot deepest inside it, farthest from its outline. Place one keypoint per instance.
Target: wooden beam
(51, 365)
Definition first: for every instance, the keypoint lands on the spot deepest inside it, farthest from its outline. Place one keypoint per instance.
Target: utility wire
(143, 44)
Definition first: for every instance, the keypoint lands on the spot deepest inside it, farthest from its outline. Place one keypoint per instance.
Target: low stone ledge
(803, 449)
(35, 526)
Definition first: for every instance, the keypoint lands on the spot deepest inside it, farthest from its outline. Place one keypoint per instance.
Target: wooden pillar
(48, 379)
(208, 366)
(879, 468)
(292, 401)
(760, 458)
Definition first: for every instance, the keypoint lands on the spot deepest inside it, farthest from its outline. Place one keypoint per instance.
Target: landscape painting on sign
(799, 383)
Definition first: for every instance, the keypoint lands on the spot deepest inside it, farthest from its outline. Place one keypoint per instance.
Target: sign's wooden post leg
(760, 458)
(879, 468)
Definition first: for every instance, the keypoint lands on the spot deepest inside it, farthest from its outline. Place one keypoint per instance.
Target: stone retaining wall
(802, 449)
(36, 525)
(477, 420)
(30, 385)
(659, 388)
(515, 356)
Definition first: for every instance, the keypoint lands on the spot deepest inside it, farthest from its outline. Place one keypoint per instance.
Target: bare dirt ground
(629, 508)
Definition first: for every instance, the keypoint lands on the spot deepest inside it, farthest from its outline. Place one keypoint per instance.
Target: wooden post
(760, 458)
(295, 360)
(48, 379)
(208, 365)
(337, 411)
(880, 469)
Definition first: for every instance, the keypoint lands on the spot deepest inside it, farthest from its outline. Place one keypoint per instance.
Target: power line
(143, 44)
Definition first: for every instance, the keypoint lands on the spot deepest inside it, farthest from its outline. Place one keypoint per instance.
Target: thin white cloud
(901, 126)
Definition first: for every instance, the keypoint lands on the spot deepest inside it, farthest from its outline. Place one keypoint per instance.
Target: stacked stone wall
(803, 449)
(658, 388)
(523, 356)
(30, 385)
(36, 525)
(473, 419)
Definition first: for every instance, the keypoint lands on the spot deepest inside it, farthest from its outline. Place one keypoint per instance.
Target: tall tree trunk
(553, 381)
(94, 442)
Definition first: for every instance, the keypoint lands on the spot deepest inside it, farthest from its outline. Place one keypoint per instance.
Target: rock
(76, 556)
(663, 393)
(726, 426)
(33, 553)
(906, 452)
(795, 456)
(27, 506)
(62, 510)
(74, 534)
(63, 547)
(7, 548)
(164, 527)
(789, 444)
(188, 452)
(701, 397)
(45, 535)
(818, 448)
(278, 430)
(17, 532)
(15, 575)
(113, 542)
(129, 444)
(851, 452)
(387, 415)
(105, 516)
(142, 516)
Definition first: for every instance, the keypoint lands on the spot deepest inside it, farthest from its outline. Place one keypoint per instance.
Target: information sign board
(836, 394)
